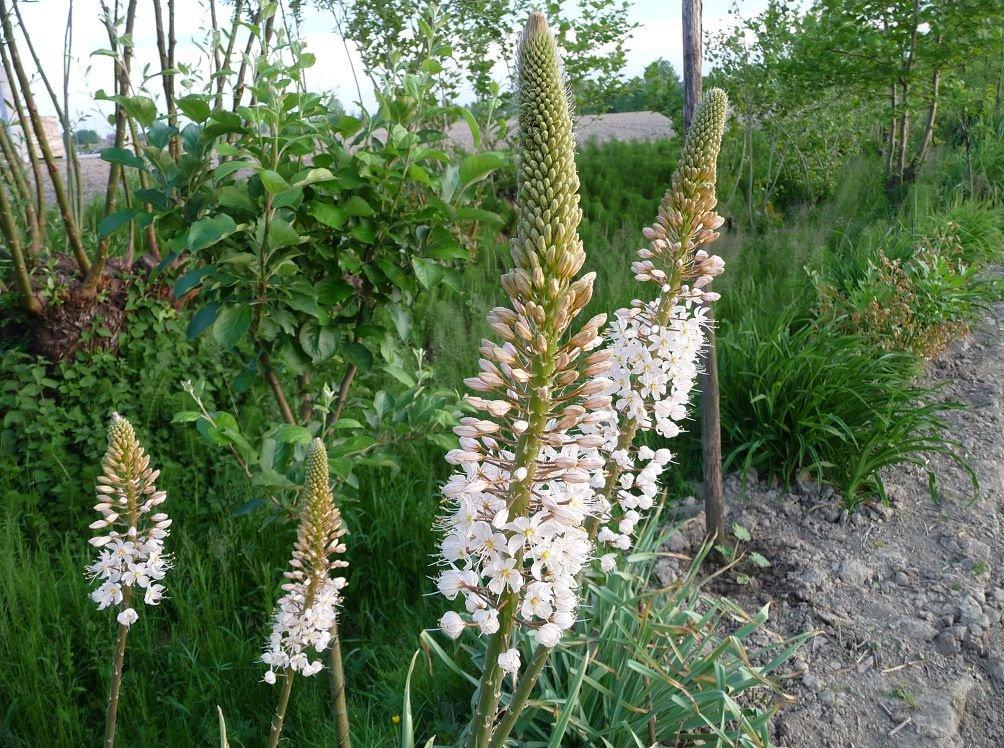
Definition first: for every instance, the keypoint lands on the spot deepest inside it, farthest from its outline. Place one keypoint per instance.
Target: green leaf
(328, 214)
(208, 231)
(142, 108)
(429, 273)
(313, 176)
(407, 724)
(319, 343)
(356, 206)
(223, 728)
(281, 234)
(109, 224)
(472, 125)
(273, 182)
(396, 274)
(400, 374)
(202, 320)
(289, 434)
(346, 423)
(571, 701)
(476, 167)
(358, 354)
(363, 232)
(186, 416)
(740, 532)
(123, 157)
(190, 280)
(431, 66)
(195, 107)
(232, 324)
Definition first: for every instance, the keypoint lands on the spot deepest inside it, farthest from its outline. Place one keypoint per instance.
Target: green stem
(113, 699)
(520, 696)
(339, 708)
(280, 712)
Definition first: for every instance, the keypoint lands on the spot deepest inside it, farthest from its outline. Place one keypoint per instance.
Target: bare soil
(904, 602)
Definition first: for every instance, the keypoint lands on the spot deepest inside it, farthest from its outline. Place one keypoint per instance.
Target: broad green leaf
(359, 354)
(312, 177)
(477, 166)
(202, 319)
(207, 231)
(195, 107)
(356, 206)
(289, 434)
(110, 224)
(232, 324)
(273, 182)
(328, 214)
(123, 157)
(398, 277)
(429, 273)
(281, 234)
(318, 342)
(190, 280)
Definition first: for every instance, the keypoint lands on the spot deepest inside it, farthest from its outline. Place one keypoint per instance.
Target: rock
(946, 644)
(884, 511)
(939, 712)
(995, 669)
(676, 542)
(916, 628)
(811, 682)
(901, 579)
(854, 572)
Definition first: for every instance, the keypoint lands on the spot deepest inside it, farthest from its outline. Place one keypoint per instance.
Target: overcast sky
(658, 35)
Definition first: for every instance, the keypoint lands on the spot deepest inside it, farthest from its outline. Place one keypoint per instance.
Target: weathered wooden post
(711, 431)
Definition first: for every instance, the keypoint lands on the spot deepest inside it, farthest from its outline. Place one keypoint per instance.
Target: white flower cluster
(655, 366)
(297, 629)
(132, 547)
(538, 555)
(653, 372)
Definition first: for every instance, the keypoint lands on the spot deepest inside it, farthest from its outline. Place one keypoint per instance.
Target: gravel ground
(905, 601)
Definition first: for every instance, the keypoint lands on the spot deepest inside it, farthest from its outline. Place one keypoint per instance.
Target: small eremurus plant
(307, 614)
(515, 535)
(655, 345)
(132, 544)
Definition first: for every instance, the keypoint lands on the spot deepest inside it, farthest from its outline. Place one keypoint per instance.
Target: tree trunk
(891, 150)
(925, 143)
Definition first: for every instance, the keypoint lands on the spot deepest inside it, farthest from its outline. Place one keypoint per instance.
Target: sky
(658, 35)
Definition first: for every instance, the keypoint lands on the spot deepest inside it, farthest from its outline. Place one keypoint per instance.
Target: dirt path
(907, 600)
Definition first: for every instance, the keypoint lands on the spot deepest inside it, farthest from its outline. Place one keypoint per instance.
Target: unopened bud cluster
(132, 535)
(306, 612)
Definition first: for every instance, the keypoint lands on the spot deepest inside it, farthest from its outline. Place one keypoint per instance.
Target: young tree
(590, 37)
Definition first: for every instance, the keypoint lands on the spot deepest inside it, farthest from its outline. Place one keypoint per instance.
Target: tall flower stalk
(655, 345)
(131, 543)
(306, 614)
(514, 536)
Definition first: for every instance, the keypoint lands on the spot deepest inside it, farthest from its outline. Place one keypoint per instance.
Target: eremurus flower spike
(655, 345)
(306, 613)
(514, 530)
(131, 542)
